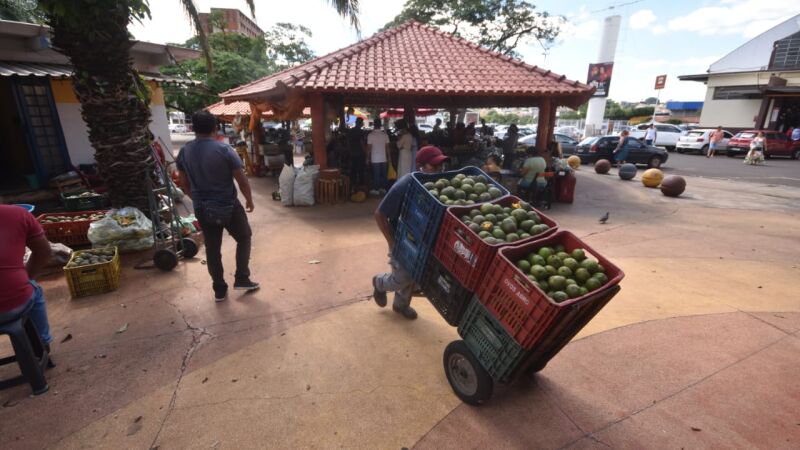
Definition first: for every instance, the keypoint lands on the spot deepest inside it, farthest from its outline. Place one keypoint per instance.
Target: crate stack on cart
(508, 324)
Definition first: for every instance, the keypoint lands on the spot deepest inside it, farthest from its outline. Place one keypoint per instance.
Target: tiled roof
(220, 109)
(416, 59)
(29, 69)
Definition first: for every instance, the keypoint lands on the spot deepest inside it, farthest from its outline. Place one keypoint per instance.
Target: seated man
(19, 229)
(532, 169)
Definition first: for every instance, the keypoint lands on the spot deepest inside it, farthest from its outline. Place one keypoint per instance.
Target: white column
(608, 47)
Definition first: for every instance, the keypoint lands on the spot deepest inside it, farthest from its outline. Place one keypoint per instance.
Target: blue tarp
(684, 106)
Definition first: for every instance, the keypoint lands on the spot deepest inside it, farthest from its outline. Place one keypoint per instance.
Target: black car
(592, 149)
(567, 143)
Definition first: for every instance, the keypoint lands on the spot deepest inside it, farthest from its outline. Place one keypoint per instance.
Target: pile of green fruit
(563, 275)
(75, 218)
(496, 224)
(463, 190)
(93, 256)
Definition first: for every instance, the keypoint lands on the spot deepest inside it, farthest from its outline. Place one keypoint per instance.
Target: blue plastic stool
(29, 351)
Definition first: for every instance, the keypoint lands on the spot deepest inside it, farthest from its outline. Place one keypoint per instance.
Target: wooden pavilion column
(544, 129)
(318, 124)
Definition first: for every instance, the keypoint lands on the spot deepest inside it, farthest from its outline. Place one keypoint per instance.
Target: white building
(758, 84)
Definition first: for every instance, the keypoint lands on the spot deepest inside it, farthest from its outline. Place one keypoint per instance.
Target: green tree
(20, 11)
(217, 22)
(93, 34)
(499, 25)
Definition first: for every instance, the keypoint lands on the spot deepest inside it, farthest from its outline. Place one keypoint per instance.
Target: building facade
(758, 84)
(235, 22)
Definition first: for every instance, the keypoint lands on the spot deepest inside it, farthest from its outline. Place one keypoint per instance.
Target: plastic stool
(29, 350)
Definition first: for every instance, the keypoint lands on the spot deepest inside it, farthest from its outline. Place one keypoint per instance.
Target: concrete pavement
(704, 334)
(775, 171)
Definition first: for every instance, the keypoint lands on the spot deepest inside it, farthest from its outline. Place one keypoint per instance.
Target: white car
(177, 128)
(570, 131)
(667, 135)
(425, 128)
(697, 141)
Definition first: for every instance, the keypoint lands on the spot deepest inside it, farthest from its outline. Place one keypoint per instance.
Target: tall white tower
(608, 47)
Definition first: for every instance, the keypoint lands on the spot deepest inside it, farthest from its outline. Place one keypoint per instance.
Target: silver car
(697, 141)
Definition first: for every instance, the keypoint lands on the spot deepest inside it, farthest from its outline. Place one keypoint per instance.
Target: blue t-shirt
(392, 202)
(209, 165)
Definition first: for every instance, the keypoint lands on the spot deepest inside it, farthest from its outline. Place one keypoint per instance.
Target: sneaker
(407, 312)
(379, 296)
(245, 285)
(221, 296)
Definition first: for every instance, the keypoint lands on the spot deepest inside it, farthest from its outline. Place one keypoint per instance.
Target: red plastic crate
(524, 310)
(68, 233)
(464, 253)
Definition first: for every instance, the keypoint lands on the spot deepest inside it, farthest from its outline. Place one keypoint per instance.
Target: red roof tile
(416, 59)
(220, 109)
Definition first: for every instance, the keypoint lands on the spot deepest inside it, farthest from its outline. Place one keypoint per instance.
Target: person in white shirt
(378, 155)
(405, 144)
(650, 135)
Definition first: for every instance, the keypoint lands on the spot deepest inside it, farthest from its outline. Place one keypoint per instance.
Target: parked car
(570, 131)
(425, 128)
(698, 140)
(595, 148)
(777, 144)
(177, 128)
(568, 144)
(667, 135)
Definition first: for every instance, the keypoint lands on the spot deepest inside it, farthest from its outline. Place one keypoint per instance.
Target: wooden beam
(318, 124)
(545, 125)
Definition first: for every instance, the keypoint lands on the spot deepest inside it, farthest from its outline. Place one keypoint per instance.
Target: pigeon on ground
(604, 219)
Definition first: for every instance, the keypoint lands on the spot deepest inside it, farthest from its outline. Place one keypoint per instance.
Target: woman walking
(757, 147)
(621, 152)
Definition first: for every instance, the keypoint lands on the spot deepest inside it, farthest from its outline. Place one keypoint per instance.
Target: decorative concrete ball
(673, 185)
(602, 166)
(652, 177)
(627, 171)
(574, 161)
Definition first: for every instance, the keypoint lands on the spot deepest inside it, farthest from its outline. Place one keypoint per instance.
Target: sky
(676, 37)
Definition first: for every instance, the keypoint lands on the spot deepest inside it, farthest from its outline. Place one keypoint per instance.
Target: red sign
(661, 80)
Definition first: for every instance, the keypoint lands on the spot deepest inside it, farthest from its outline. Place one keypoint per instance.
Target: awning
(783, 90)
(27, 69)
(399, 112)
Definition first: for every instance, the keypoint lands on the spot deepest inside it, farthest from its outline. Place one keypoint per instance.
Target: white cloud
(746, 17)
(642, 19)
(659, 29)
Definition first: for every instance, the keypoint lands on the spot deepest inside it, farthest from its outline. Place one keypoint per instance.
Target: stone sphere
(574, 161)
(652, 177)
(602, 166)
(673, 185)
(627, 171)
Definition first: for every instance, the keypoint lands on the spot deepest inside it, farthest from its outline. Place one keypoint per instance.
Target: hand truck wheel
(188, 248)
(165, 259)
(469, 380)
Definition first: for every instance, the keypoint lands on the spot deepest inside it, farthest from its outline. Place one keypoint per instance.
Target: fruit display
(93, 256)
(463, 190)
(72, 218)
(562, 275)
(496, 224)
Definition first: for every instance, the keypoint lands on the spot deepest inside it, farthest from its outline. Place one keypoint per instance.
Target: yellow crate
(93, 279)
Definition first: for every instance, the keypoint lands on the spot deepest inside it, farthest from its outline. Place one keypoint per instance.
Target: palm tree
(93, 34)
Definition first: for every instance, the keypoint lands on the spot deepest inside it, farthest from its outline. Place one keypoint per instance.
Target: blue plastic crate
(486, 338)
(423, 213)
(411, 252)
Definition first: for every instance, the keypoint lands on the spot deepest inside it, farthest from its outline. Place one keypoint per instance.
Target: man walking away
(716, 138)
(378, 151)
(358, 158)
(429, 160)
(19, 229)
(207, 169)
(650, 135)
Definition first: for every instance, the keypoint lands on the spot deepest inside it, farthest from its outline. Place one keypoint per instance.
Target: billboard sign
(600, 78)
(661, 81)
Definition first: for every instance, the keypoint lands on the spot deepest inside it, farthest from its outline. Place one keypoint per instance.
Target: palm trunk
(114, 101)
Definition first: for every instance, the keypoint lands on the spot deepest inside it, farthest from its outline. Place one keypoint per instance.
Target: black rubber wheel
(767, 155)
(654, 162)
(730, 154)
(188, 248)
(165, 259)
(469, 380)
(680, 150)
(703, 151)
(796, 154)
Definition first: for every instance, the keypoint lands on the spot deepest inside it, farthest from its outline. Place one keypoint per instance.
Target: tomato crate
(445, 293)
(422, 212)
(93, 279)
(464, 253)
(489, 341)
(525, 311)
(410, 252)
(68, 233)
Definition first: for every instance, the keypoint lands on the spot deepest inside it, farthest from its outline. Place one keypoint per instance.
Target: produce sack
(304, 186)
(286, 185)
(127, 228)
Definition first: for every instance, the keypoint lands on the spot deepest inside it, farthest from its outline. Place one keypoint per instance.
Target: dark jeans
(379, 173)
(357, 166)
(239, 229)
(508, 160)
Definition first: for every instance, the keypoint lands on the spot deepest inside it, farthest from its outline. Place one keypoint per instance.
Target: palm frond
(348, 9)
(252, 5)
(194, 18)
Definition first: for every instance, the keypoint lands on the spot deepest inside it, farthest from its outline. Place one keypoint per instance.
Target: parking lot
(776, 171)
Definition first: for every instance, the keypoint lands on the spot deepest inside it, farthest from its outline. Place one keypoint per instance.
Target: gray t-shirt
(209, 165)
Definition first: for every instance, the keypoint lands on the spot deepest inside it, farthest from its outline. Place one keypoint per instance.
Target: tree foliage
(499, 25)
(613, 111)
(494, 116)
(20, 11)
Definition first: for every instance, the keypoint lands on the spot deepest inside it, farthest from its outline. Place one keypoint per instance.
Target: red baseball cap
(430, 155)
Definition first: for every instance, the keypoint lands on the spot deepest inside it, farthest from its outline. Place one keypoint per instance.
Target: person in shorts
(716, 137)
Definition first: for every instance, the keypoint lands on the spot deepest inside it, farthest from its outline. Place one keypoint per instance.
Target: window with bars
(43, 129)
(737, 93)
(786, 54)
